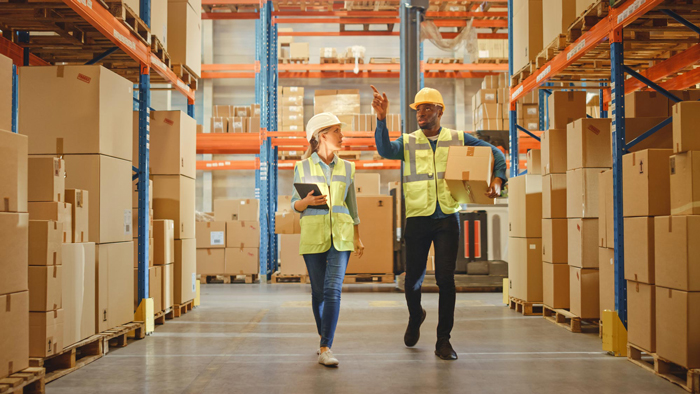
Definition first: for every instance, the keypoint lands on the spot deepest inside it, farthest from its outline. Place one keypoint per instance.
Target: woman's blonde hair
(314, 143)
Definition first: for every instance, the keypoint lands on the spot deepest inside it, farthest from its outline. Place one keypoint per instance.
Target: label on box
(127, 221)
(216, 238)
(194, 282)
(532, 111)
(490, 96)
(533, 246)
(293, 89)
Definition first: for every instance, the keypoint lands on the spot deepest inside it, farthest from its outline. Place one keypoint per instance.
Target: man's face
(428, 115)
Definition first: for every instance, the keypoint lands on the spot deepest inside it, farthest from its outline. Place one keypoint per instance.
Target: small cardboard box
(677, 325)
(686, 117)
(553, 151)
(78, 292)
(685, 183)
(172, 143)
(367, 183)
(114, 304)
(45, 333)
(642, 104)
(606, 214)
(565, 108)
(584, 295)
(45, 239)
(525, 268)
(57, 211)
(293, 91)
(237, 125)
(13, 177)
(242, 209)
(163, 242)
(588, 144)
(299, 50)
(554, 196)
(45, 286)
(646, 183)
(47, 179)
(555, 241)
(173, 198)
(534, 166)
(639, 249)
(468, 173)
(583, 243)
(641, 315)
(287, 222)
(185, 270)
(211, 235)
(489, 111)
(490, 82)
(376, 232)
(255, 110)
(291, 262)
(676, 264)
(582, 193)
(211, 261)
(555, 285)
(487, 96)
(14, 329)
(243, 234)
(223, 111)
(218, 125)
(168, 285)
(525, 206)
(78, 199)
(529, 112)
(242, 261)
(606, 277)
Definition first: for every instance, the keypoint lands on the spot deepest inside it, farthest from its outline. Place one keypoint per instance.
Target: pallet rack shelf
(618, 43)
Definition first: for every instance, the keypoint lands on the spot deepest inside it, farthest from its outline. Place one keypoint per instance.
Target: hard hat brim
(415, 105)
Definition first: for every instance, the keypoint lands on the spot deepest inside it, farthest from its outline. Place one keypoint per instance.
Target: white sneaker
(326, 358)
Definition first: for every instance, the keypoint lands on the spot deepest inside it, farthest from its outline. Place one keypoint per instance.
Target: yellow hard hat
(428, 96)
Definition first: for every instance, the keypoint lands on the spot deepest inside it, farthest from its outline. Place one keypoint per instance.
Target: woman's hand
(359, 247)
(311, 200)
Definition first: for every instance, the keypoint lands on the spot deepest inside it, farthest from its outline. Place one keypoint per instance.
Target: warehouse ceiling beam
(683, 81)
(16, 53)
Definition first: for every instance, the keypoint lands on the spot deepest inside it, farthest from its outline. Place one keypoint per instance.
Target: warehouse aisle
(261, 339)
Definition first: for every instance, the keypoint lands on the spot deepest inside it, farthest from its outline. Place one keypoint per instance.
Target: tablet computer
(304, 188)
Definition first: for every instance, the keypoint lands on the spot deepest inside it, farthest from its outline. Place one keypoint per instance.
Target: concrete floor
(262, 339)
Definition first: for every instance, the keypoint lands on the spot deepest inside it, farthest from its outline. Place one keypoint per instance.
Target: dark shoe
(444, 350)
(413, 332)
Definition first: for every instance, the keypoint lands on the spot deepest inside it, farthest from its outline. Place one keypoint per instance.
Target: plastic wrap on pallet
(329, 53)
(430, 32)
(357, 52)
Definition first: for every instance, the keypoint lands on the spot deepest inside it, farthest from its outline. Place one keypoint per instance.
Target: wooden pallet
(568, 320)
(365, 26)
(445, 60)
(349, 155)
(330, 60)
(641, 357)
(301, 60)
(278, 277)
(228, 278)
(589, 18)
(384, 60)
(368, 278)
(160, 317)
(186, 75)
(119, 336)
(520, 75)
(181, 309)
(688, 379)
(71, 358)
(159, 51)
(130, 19)
(551, 50)
(351, 60)
(491, 60)
(524, 307)
(29, 380)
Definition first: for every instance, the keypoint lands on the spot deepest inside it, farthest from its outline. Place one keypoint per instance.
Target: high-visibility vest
(424, 172)
(319, 226)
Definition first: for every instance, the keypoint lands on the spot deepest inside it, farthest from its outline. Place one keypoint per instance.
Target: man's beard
(429, 125)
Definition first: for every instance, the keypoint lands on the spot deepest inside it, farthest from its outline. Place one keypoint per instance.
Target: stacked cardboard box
(185, 34)
(527, 32)
(557, 16)
(92, 130)
(588, 154)
(291, 109)
(489, 49)
(242, 235)
(235, 119)
(6, 75)
(164, 261)
(376, 234)
(490, 104)
(525, 238)
(14, 227)
(342, 103)
(211, 245)
(288, 226)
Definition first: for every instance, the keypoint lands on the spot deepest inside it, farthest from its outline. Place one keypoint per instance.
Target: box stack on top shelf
(291, 109)
(490, 104)
(85, 119)
(235, 119)
(184, 32)
(527, 32)
(288, 227)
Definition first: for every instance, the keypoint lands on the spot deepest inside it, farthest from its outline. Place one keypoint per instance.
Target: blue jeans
(326, 272)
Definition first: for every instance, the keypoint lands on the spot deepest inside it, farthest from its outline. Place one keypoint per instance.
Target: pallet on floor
(526, 308)
(228, 278)
(568, 320)
(119, 336)
(278, 277)
(166, 314)
(181, 309)
(688, 379)
(71, 358)
(368, 278)
(130, 19)
(29, 380)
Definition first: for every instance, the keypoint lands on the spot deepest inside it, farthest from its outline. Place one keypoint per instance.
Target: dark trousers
(420, 233)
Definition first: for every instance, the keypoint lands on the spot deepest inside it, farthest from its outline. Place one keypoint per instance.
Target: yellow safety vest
(424, 172)
(319, 226)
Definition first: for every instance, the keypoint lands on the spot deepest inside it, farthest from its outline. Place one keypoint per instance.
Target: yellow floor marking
(385, 304)
(297, 304)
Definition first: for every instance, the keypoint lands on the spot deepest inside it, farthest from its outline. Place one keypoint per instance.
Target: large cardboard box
(487, 96)
(168, 285)
(173, 198)
(172, 143)
(689, 95)
(525, 268)
(584, 293)
(588, 144)
(686, 117)
(685, 183)
(5, 96)
(291, 262)
(662, 139)
(243, 234)
(527, 32)
(649, 103)
(367, 183)
(553, 151)
(163, 242)
(299, 50)
(376, 232)
(155, 287)
(242, 209)
(80, 218)
(489, 110)
(242, 261)
(557, 16)
(45, 333)
(337, 101)
(14, 333)
(14, 243)
(57, 211)
(565, 108)
(554, 196)
(606, 277)
(47, 179)
(646, 183)
(185, 35)
(606, 211)
(555, 285)
(287, 222)
(78, 292)
(45, 283)
(468, 173)
(583, 243)
(525, 206)
(582, 5)
(114, 284)
(211, 235)
(534, 165)
(641, 315)
(218, 125)
(639, 249)
(210, 261)
(83, 110)
(13, 177)
(555, 241)
(582, 192)
(45, 238)
(108, 182)
(676, 262)
(677, 325)
(159, 21)
(185, 270)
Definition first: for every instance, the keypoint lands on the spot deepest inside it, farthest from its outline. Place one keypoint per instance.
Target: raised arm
(392, 150)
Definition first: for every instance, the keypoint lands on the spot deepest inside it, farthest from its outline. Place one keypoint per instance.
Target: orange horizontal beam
(345, 21)
(388, 14)
(337, 33)
(209, 165)
(359, 164)
(665, 68)
(230, 15)
(16, 53)
(483, 23)
(231, 2)
(683, 81)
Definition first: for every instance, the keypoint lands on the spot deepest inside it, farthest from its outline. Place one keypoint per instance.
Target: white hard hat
(320, 122)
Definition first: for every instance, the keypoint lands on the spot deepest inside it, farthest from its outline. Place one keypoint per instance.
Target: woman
(327, 236)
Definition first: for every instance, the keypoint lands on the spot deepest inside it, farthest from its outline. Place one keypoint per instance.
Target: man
(431, 211)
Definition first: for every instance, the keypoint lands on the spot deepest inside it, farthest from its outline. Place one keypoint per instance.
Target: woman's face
(332, 137)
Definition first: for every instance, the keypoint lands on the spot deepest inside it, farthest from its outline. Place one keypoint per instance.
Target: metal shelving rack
(100, 19)
(676, 70)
